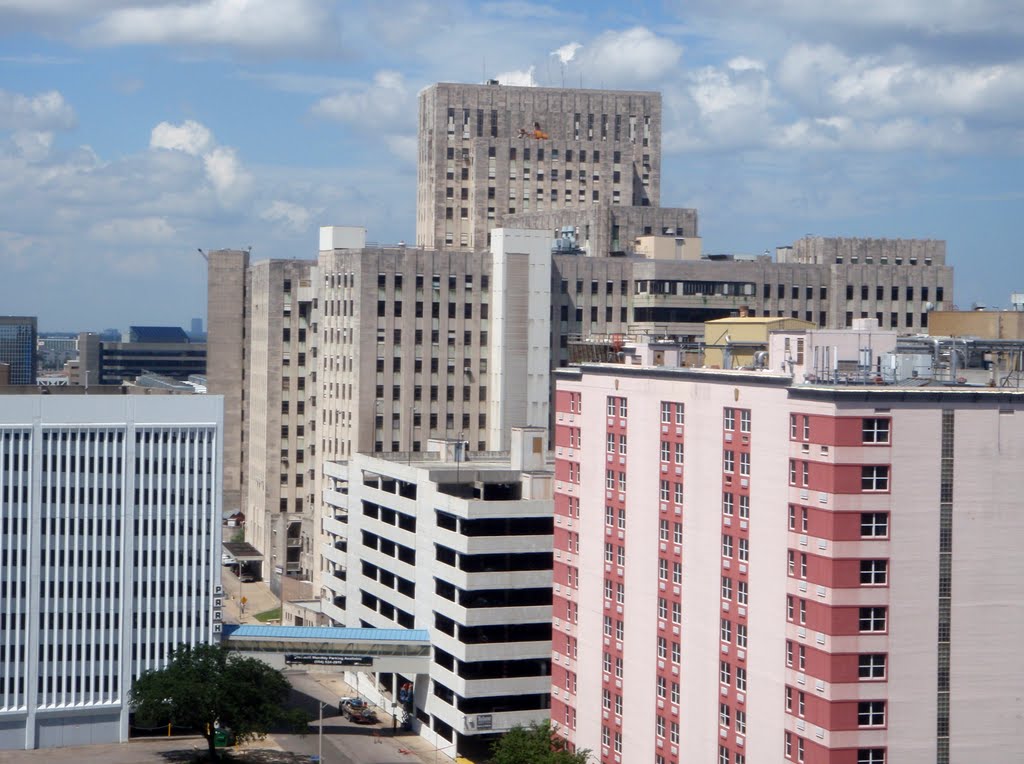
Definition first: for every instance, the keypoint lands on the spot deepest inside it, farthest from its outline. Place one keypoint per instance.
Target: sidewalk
(259, 599)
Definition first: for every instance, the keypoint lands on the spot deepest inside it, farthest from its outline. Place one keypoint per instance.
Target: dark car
(363, 716)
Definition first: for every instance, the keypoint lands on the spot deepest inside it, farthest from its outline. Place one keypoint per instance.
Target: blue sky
(134, 131)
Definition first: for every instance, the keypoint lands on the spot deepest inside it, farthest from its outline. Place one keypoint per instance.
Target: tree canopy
(536, 744)
(206, 686)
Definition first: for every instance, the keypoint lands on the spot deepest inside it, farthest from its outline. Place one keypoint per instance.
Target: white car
(226, 559)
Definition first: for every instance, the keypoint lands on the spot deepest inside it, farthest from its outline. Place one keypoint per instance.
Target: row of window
(798, 752)
(874, 430)
(873, 477)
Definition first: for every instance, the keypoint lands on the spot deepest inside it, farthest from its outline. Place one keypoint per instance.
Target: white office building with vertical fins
(109, 555)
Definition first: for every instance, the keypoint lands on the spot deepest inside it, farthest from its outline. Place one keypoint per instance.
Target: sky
(133, 132)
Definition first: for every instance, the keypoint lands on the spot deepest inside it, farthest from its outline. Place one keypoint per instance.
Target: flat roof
(242, 550)
(325, 633)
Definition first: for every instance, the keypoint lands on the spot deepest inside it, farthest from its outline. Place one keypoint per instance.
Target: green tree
(536, 744)
(207, 685)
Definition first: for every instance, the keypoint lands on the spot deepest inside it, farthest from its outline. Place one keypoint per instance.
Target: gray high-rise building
(490, 151)
(18, 348)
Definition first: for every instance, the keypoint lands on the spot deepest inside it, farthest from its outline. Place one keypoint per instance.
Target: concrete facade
(280, 416)
(798, 569)
(226, 333)
(109, 556)
(481, 158)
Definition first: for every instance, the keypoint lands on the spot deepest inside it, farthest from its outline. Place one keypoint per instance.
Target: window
(609, 480)
(723, 755)
(803, 612)
(741, 679)
(874, 524)
(874, 478)
(728, 461)
(741, 593)
(679, 414)
(666, 412)
(803, 565)
(790, 607)
(674, 692)
(679, 453)
(807, 428)
(792, 517)
(622, 408)
(726, 588)
(622, 445)
(727, 546)
(609, 552)
(620, 555)
(744, 550)
(662, 647)
(800, 749)
(659, 726)
(792, 472)
(789, 652)
(677, 652)
(607, 625)
(622, 482)
(610, 445)
(741, 722)
(871, 666)
(792, 426)
(871, 713)
(725, 631)
(666, 450)
(874, 572)
(875, 431)
(724, 715)
(801, 657)
(801, 703)
(745, 463)
(677, 533)
(805, 474)
(662, 684)
(677, 572)
(741, 635)
(724, 673)
(663, 530)
(727, 504)
(744, 507)
(872, 619)
(606, 699)
(870, 756)
(745, 420)
(611, 406)
(729, 417)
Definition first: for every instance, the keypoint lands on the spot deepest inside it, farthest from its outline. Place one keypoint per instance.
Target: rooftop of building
(166, 334)
(536, 88)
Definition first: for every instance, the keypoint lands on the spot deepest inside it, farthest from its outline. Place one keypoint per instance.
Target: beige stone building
(263, 360)
(490, 151)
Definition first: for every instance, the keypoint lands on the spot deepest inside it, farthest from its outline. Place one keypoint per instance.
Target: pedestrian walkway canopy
(406, 651)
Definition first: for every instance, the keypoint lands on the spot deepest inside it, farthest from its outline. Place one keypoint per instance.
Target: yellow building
(986, 324)
(730, 343)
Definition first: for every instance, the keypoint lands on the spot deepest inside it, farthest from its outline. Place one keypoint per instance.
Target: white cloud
(567, 52)
(383, 101)
(121, 230)
(629, 57)
(190, 136)
(45, 111)
(223, 170)
(293, 216)
(824, 79)
(404, 147)
(33, 145)
(518, 77)
(253, 24)
(230, 180)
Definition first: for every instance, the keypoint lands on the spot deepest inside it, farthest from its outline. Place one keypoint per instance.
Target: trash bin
(221, 739)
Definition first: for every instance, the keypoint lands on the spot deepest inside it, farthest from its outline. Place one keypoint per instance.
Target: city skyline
(133, 133)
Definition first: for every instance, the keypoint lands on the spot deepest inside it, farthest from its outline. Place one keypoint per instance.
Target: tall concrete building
(18, 348)
(490, 151)
(226, 340)
(262, 339)
(279, 417)
(749, 569)
(109, 554)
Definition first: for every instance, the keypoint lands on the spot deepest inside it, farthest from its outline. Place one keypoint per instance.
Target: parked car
(354, 702)
(362, 716)
(247, 578)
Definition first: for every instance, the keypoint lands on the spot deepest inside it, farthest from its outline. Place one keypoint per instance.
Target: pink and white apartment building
(748, 570)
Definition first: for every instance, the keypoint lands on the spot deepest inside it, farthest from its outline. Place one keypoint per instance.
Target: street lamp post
(320, 734)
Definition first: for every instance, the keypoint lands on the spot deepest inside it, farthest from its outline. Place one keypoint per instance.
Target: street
(343, 741)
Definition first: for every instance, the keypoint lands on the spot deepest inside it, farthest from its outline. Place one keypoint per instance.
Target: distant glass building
(18, 348)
